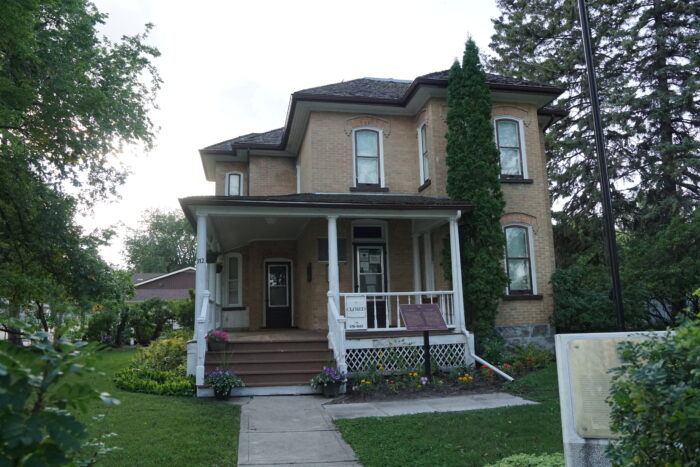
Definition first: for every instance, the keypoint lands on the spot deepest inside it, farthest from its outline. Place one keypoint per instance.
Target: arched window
(519, 260)
(509, 139)
(367, 148)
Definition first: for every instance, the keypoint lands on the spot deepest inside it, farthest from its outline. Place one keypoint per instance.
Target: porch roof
(384, 202)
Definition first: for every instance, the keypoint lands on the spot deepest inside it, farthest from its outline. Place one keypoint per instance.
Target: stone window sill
(509, 298)
(369, 189)
(525, 181)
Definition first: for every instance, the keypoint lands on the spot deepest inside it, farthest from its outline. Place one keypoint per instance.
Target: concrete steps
(282, 362)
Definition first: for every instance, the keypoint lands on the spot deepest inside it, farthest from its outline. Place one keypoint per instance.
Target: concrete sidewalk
(422, 405)
(290, 430)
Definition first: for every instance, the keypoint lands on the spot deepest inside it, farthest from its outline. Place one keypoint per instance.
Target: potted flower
(222, 381)
(216, 340)
(329, 380)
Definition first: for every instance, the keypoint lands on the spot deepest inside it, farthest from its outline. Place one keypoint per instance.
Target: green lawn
(161, 430)
(473, 438)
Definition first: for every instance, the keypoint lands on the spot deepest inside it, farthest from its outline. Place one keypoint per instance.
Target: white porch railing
(336, 333)
(383, 308)
(205, 322)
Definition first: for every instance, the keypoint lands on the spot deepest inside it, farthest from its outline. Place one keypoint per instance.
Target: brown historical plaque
(426, 317)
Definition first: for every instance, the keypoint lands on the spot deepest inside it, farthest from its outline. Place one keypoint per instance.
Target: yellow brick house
(348, 200)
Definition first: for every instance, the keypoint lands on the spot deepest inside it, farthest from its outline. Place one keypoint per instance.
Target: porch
(279, 273)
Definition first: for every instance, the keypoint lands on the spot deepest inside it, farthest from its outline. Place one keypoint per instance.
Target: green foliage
(163, 243)
(149, 318)
(68, 101)
(163, 354)
(474, 175)
(655, 400)
(37, 401)
(166, 383)
(647, 57)
(531, 460)
(183, 309)
(530, 356)
(158, 369)
(493, 349)
(222, 381)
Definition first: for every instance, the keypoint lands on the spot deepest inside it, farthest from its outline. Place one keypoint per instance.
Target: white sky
(229, 67)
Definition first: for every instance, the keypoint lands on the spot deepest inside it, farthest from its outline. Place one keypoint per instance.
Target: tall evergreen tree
(647, 58)
(473, 175)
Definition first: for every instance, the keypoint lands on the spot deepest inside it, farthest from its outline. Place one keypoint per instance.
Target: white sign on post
(356, 313)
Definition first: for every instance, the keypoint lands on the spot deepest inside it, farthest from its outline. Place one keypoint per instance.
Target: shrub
(167, 383)
(655, 400)
(530, 357)
(162, 355)
(149, 319)
(531, 460)
(159, 368)
(493, 349)
(36, 399)
(183, 310)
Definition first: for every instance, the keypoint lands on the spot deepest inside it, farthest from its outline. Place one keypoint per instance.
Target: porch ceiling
(234, 232)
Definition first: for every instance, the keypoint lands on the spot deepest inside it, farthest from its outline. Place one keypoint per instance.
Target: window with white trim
(234, 184)
(519, 260)
(234, 275)
(509, 140)
(367, 149)
(423, 154)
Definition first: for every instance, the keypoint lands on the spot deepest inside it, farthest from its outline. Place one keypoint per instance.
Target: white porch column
(333, 274)
(417, 286)
(200, 293)
(428, 261)
(456, 273)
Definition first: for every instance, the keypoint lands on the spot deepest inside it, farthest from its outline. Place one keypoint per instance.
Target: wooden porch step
(269, 366)
(279, 378)
(279, 355)
(279, 346)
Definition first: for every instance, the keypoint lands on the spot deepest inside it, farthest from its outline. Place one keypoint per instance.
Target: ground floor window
(518, 260)
(233, 273)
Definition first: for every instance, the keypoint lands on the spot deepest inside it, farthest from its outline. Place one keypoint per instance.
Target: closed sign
(356, 313)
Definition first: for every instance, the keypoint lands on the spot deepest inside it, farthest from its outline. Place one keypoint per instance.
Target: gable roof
(379, 91)
(146, 278)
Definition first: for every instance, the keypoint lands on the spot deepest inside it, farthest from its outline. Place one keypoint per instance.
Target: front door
(278, 295)
(371, 278)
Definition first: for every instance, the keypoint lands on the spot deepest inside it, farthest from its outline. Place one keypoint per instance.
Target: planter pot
(222, 395)
(331, 389)
(216, 346)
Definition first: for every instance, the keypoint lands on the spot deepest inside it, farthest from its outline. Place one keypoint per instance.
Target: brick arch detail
(512, 110)
(367, 120)
(520, 217)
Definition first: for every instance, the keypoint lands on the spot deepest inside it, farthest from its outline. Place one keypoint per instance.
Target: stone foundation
(539, 334)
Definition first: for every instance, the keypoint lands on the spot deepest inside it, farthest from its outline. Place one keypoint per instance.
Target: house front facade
(347, 204)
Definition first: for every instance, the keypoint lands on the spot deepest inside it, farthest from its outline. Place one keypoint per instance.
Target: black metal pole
(608, 221)
(426, 355)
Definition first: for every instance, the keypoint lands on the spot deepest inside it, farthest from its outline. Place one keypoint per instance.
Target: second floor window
(423, 154)
(233, 184)
(518, 260)
(367, 158)
(510, 146)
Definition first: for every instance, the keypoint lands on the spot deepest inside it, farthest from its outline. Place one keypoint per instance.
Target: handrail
(336, 333)
(398, 294)
(203, 322)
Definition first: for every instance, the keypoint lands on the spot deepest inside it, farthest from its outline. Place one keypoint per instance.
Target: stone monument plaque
(589, 363)
(422, 317)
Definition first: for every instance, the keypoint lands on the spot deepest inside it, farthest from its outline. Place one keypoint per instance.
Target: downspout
(506, 376)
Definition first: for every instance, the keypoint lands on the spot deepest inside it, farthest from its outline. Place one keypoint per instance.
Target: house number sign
(356, 312)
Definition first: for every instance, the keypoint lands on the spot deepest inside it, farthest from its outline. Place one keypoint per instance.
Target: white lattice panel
(399, 358)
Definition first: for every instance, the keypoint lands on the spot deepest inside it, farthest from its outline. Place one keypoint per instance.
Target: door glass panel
(277, 285)
(370, 269)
